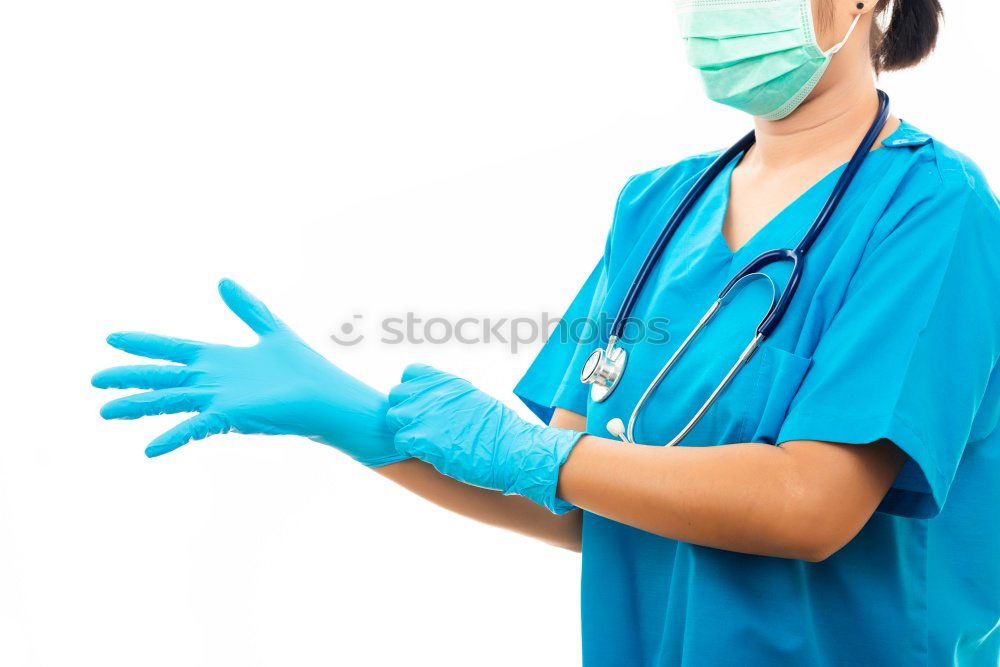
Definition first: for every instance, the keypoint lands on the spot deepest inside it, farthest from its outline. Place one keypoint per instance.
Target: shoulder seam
(708, 155)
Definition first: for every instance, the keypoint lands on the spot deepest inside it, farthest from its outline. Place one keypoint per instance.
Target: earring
(860, 5)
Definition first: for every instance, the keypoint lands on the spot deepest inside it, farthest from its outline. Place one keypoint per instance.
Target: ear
(839, 23)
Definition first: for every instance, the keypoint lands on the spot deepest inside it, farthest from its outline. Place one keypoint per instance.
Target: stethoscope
(604, 367)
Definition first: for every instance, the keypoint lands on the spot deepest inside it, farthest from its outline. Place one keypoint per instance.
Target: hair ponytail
(908, 36)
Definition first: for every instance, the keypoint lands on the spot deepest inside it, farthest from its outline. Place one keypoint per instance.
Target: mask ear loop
(836, 47)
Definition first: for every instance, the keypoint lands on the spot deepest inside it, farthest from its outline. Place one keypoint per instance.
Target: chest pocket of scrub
(753, 407)
(776, 376)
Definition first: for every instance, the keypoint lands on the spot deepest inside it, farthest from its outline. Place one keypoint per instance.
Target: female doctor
(836, 504)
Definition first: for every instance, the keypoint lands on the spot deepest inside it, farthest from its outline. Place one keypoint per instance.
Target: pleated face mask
(759, 56)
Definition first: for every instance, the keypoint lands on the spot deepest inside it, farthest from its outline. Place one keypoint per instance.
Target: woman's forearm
(800, 500)
(492, 507)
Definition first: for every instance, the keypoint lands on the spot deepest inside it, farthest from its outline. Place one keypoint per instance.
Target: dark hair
(909, 34)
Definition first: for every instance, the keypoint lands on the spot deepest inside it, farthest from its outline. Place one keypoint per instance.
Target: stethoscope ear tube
(847, 177)
(781, 297)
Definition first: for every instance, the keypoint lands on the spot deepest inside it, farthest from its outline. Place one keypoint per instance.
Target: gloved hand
(278, 386)
(465, 434)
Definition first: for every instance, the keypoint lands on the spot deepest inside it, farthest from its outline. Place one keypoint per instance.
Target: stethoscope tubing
(780, 298)
(678, 216)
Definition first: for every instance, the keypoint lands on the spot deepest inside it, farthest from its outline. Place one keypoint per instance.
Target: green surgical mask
(759, 56)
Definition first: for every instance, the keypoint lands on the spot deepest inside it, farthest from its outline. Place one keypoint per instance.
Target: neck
(828, 125)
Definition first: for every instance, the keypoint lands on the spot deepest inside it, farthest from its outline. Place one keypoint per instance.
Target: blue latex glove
(280, 386)
(465, 434)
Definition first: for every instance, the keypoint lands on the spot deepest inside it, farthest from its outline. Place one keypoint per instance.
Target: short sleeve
(911, 351)
(553, 379)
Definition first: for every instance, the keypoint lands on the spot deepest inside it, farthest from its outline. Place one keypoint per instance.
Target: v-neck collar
(708, 210)
(718, 219)
(904, 135)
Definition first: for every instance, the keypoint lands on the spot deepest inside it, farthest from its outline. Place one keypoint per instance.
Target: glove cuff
(538, 477)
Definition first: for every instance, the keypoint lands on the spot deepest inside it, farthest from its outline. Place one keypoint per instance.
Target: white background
(338, 158)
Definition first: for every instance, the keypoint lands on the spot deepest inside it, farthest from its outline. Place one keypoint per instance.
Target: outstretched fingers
(159, 402)
(198, 427)
(144, 377)
(156, 347)
(249, 308)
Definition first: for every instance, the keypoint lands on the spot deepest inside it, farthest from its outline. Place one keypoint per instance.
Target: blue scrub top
(894, 333)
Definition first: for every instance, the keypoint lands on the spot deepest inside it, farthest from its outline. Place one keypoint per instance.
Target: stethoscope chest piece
(602, 371)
